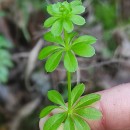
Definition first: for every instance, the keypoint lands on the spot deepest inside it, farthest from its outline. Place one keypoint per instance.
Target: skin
(115, 107)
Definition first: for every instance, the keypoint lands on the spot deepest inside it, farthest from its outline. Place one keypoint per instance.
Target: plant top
(66, 44)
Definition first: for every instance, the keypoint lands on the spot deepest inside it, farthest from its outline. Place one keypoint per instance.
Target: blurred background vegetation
(23, 80)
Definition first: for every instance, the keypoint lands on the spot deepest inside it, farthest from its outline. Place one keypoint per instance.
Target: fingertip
(42, 122)
(115, 107)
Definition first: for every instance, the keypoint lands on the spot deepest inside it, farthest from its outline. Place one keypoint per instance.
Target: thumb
(115, 107)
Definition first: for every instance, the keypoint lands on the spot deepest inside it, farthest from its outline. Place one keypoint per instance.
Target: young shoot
(66, 45)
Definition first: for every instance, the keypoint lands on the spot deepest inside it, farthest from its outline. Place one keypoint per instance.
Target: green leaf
(67, 5)
(88, 100)
(3, 78)
(85, 39)
(4, 54)
(71, 36)
(75, 3)
(6, 62)
(53, 61)
(47, 110)
(57, 28)
(83, 50)
(5, 43)
(51, 38)
(78, 9)
(54, 122)
(50, 10)
(2, 14)
(70, 62)
(56, 9)
(55, 97)
(69, 124)
(49, 22)
(77, 92)
(81, 124)
(68, 26)
(89, 113)
(4, 72)
(46, 51)
(77, 19)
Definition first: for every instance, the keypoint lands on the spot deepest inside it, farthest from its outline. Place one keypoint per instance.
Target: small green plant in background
(5, 59)
(108, 16)
(2, 13)
(66, 45)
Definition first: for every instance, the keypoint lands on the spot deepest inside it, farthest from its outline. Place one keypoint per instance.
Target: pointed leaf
(75, 3)
(89, 113)
(50, 10)
(77, 92)
(56, 9)
(51, 38)
(88, 100)
(46, 51)
(47, 110)
(67, 5)
(77, 19)
(68, 26)
(53, 61)
(83, 50)
(69, 124)
(85, 39)
(70, 62)
(78, 9)
(49, 22)
(71, 36)
(57, 28)
(81, 124)
(54, 122)
(55, 97)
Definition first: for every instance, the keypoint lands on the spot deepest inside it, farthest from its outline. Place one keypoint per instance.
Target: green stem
(68, 75)
(65, 37)
(69, 91)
